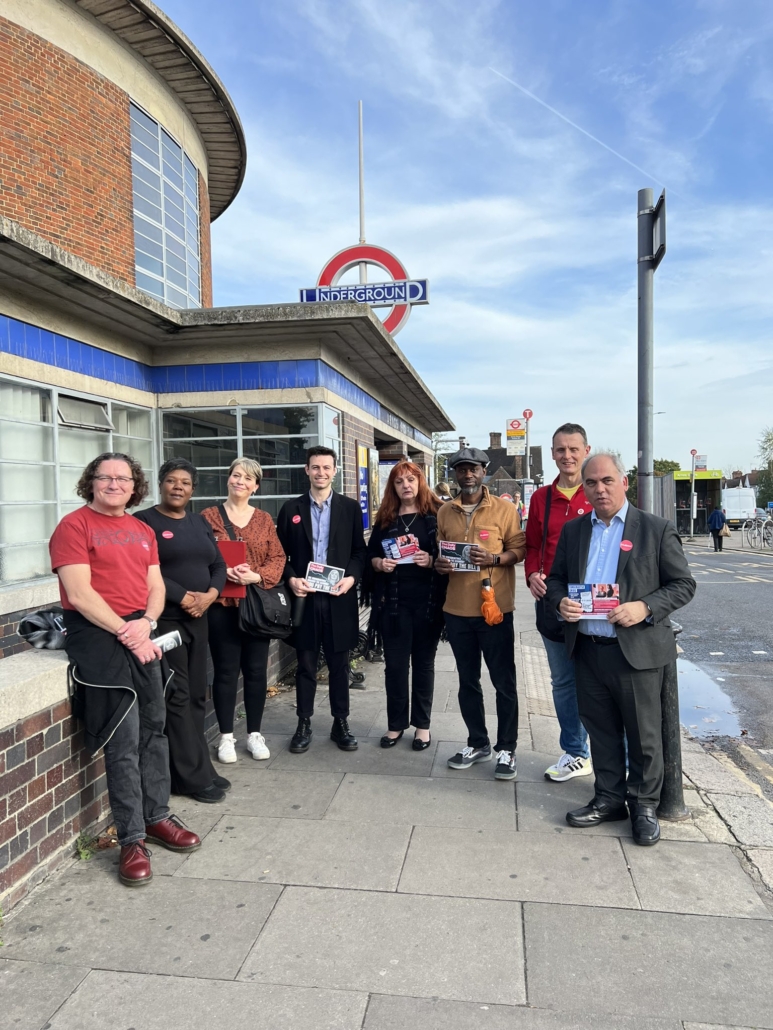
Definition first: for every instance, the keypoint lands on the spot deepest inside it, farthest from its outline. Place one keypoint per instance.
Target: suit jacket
(346, 550)
(654, 570)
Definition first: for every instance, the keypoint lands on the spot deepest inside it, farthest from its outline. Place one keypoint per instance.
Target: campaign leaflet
(458, 555)
(323, 577)
(597, 599)
(401, 548)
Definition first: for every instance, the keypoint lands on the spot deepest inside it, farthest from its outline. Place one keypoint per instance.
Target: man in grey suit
(619, 658)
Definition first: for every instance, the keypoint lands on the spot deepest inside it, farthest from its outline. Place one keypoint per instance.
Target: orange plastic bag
(489, 608)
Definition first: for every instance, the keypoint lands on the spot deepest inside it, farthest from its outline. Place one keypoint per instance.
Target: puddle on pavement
(704, 708)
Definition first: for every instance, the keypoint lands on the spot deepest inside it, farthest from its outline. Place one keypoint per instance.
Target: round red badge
(167, 534)
(484, 534)
(580, 511)
(296, 519)
(626, 545)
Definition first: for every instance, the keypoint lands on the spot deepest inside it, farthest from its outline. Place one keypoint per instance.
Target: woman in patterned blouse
(232, 650)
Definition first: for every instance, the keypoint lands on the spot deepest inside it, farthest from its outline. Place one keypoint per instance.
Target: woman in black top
(407, 600)
(194, 573)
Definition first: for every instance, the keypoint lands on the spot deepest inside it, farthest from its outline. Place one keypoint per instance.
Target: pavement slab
(174, 1003)
(317, 853)
(370, 758)
(544, 734)
(515, 867)
(763, 859)
(391, 943)
(178, 926)
(627, 963)
(749, 818)
(466, 803)
(30, 992)
(710, 775)
(543, 809)
(286, 793)
(704, 879)
(394, 1013)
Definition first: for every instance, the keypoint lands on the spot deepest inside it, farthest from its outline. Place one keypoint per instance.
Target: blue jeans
(573, 739)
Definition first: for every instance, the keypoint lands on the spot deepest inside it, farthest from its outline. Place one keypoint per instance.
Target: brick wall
(65, 156)
(50, 790)
(10, 641)
(353, 431)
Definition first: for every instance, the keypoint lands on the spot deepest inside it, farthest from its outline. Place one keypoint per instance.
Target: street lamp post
(651, 225)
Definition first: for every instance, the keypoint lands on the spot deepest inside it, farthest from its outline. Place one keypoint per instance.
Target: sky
(505, 143)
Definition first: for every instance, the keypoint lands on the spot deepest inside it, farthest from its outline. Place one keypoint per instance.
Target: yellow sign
(703, 474)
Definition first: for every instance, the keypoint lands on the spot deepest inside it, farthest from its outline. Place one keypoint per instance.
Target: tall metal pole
(692, 499)
(646, 270)
(528, 451)
(363, 265)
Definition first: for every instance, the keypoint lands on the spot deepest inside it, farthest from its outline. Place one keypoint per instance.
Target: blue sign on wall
(362, 485)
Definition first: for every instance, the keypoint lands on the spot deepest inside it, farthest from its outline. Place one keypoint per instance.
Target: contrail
(579, 128)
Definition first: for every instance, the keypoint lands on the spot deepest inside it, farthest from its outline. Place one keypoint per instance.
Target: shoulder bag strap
(545, 522)
(227, 523)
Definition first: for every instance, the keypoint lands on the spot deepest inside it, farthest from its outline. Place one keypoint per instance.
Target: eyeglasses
(105, 480)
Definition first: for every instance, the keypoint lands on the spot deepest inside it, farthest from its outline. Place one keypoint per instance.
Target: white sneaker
(226, 748)
(256, 745)
(569, 766)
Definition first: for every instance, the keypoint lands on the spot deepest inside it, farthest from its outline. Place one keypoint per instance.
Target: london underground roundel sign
(400, 293)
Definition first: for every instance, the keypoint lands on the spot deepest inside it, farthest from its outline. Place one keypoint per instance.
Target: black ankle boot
(301, 737)
(341, 735)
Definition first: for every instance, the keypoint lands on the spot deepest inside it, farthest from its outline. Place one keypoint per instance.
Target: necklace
(407, 525)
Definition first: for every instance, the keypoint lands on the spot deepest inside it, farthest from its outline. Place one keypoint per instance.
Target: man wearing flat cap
(491, 529)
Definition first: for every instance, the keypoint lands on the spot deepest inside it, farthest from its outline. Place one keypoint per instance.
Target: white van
(739, 504)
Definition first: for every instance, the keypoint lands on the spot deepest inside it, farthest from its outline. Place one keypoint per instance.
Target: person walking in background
(550, 509)
(491, 529)
(234, 651)
(112, 594)
(406, 599)
(619, 659)
(442, 492)
(717, 522)
(322, 526)
(194, 573)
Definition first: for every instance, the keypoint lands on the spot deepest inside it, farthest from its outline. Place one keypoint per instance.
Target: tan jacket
(494, 526)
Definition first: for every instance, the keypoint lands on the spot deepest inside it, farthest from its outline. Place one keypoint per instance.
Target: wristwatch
(497, 559)
(153, 623)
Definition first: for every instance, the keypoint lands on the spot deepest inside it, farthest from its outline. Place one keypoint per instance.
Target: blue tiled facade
(29, 341)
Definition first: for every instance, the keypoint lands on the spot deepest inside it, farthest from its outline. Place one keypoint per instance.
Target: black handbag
(547, 617)
(262, 612)
(44, 629)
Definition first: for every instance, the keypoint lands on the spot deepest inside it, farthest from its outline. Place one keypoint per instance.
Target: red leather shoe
(134, 868)
(172, 834)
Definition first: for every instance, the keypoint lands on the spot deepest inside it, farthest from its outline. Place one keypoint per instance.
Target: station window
(46, 440)
(166, 215)
(276, 436)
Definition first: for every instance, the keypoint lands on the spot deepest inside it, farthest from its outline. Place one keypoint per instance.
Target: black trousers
(234, 652)
(470, 638)
(337, 666)
(617, 702)
(410, 645)
(717, 539)
(186, 701)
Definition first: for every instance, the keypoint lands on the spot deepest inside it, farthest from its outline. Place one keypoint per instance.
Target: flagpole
(363, 265)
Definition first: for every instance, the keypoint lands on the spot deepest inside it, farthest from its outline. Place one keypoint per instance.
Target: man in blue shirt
(619, 659)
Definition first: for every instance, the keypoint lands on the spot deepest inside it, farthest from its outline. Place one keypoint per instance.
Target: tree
(766, 446)
(765, 486)
(661, 467)
(441, 445)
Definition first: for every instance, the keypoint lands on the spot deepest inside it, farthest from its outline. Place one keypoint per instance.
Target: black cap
(473, 455)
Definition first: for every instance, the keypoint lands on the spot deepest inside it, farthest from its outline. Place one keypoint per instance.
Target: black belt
(601, 641)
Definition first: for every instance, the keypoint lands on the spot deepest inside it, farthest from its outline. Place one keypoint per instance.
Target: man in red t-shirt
(567, 501)
(112, 593)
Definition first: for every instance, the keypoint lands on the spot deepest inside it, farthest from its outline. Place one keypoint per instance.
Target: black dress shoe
(341, 735)
(598, 811)
(644, 823)
(301, 737)
(391, 741)
(421, 745)
(222, 783)
(210, 795)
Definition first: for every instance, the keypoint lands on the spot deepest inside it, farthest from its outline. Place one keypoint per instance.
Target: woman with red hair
(407, 599)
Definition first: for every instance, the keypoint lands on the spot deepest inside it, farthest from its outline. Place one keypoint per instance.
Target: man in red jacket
(567, 501)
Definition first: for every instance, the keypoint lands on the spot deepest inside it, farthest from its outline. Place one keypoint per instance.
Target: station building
(119, 145)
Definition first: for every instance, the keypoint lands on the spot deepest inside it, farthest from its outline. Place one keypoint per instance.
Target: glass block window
(275, 436)
(166, 215)
(46, 440)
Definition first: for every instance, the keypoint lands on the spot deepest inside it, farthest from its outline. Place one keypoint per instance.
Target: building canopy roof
(156, 38)
(36, 268)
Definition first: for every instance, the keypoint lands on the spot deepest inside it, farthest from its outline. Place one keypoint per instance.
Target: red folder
(235, 553)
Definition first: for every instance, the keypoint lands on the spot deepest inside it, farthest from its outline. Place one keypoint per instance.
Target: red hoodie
(561, 512)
